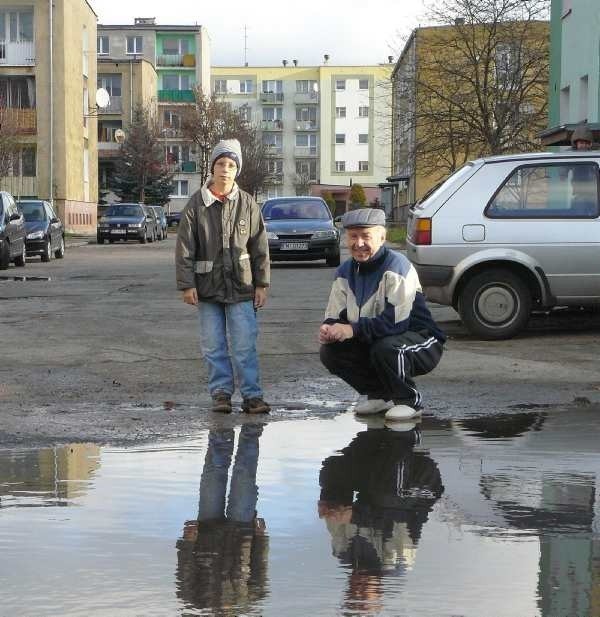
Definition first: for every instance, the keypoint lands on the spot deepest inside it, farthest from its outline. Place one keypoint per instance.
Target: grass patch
(396, 235)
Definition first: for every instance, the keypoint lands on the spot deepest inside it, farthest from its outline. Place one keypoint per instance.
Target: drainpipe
(51, 170)
(130, 92)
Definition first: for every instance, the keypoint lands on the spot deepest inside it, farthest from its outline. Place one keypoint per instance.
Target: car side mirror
(15, 216)
(54, 219)
(148, 217)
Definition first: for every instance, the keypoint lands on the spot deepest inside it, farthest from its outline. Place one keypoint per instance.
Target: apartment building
(325, 126)
(47, 99)
(157, 66)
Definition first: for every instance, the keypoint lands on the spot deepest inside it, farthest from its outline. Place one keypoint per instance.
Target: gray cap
(364, 217)
(230, 148)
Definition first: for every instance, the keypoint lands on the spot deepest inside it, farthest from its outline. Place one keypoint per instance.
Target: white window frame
(246, 86)
(340, 166)
(363, 111)
(363, 165)
(136, 50)
(100, 47)
(340, 112)
(340, 84)
(218, 89)
(178, 184)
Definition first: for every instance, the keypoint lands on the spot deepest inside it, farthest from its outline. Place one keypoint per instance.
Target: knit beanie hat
(582, 133)
(231, 149)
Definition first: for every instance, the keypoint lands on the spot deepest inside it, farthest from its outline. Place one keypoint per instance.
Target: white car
(506, 235)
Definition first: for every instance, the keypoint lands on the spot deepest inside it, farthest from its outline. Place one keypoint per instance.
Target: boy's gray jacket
(222, 250)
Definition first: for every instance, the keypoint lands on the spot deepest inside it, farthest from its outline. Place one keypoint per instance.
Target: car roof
(295, 198)
(533, 156)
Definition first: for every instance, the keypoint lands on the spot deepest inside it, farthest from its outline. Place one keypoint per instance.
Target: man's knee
(381, 348)
(328, 356)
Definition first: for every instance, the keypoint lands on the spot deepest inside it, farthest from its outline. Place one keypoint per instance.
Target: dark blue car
(301, 229)
(45, 231)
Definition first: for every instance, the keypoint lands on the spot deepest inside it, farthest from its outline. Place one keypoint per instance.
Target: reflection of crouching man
(378, 332)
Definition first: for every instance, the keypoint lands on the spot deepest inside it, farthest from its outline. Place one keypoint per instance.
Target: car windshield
(33, 211)
(283, 209)
(455, 178)
(124, 210)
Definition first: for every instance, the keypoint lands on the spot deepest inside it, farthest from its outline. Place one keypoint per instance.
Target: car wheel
(47, 254)
(21, 260)
(333, 261)
(495, 304)
(60, 251)
(144, 238)
(4, 255)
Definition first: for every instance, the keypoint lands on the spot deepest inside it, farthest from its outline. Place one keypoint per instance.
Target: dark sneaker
(221, 402)
(255, 405)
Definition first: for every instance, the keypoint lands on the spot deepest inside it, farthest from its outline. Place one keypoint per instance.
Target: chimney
(295, 62)
(144, 21)
(459, 21)
(284, 62)
(390, 59)
(326, 58)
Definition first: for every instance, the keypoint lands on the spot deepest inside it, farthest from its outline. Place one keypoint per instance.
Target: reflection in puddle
(495, 516)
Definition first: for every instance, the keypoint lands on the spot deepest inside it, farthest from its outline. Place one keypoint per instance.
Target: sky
(350, 31)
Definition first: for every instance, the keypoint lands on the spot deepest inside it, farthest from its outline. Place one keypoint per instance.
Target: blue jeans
(239, 322)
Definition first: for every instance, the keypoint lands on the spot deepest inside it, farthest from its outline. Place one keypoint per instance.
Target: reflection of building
(223, 555)
(172, 61)
(49, 474)
(47, 89)
(325, 126)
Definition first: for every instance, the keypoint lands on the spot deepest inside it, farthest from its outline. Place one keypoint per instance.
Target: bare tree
(254, 160)
(9, 140)
(476, 87)
(303, 182)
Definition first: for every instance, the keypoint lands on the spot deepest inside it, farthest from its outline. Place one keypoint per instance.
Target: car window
(295, 209)
(454, 179)
(568, 190)
(33, 211)
(124, 210)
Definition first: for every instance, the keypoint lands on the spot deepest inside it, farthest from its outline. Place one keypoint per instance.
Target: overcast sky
(350, 31)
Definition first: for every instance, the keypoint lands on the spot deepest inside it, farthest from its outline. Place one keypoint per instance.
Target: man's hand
(190, 296)
(335, 333)
(260, 297)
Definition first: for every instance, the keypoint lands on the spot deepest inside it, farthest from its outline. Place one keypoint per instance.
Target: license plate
(294, 246)
(118, 231)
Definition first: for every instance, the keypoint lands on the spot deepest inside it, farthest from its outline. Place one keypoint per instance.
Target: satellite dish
(119, 136)
(102, 98)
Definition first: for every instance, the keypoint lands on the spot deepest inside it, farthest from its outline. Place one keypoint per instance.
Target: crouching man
(378, 333)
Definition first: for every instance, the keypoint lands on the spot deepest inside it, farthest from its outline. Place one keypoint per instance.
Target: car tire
(60, 251)
(4, 255)
(495, 304)
(47, 254)
(333, 261)
(144, 238)
(21, 260)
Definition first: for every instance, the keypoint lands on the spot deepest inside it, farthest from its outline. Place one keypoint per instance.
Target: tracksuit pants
(385, 368)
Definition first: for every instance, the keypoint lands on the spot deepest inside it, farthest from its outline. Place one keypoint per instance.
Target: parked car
(12, 232)
(301, 228)
(45, 231)
(163, 228)
(127, 221)
(508, 235)
(173, 219)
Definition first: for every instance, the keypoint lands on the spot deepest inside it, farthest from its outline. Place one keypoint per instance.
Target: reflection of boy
(222, 556)
(377, 533)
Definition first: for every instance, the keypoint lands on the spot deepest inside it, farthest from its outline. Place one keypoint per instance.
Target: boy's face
(225, 170)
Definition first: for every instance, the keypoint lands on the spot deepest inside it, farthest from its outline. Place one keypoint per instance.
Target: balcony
(187, 167)
(271, 97)
(176, 96)
(271, 125)
(307, 125)
(20, 53)
(180, 60)
(306, 97)
(108, 150)
(23, 121)
(171, 132)
(302, 151)
(272, 149)
(19, 186)
(114, 107)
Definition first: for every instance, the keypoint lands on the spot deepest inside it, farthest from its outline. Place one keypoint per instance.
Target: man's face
(583, 144)
(224, 170)
(364, 242)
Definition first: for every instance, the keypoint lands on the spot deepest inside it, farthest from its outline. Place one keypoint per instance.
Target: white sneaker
(401, 412)
(400, 426)
(372, 406)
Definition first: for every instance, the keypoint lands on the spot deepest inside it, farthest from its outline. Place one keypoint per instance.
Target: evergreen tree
(357, 196)
(141, 173)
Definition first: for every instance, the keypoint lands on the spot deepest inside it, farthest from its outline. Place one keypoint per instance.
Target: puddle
(483, 516)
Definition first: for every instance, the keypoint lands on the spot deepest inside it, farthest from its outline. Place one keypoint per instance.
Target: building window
(306, 86)
(176, 82)
(16, 26)
(305, 140)
(363, 111)
(171, 120)
(363, 165)
(246, 86)
(340, 112)
(28, 160)
(340, 138)
(272, 141)
(175, 47)
(307, 169)
(220, 86)
(363, 138)
(340, 165)
(363, 84)
(180, 188)
(134, 44)
(111, 82)
(274, 166)
(245, 112)
(340, 84)
(103, 46)
(306, 114)
(270, 86)
(565, 95)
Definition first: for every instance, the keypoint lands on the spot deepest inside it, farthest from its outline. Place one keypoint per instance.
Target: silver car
(506, 235)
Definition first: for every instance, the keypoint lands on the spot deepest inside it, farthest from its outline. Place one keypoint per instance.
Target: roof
(155, 27)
